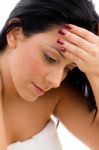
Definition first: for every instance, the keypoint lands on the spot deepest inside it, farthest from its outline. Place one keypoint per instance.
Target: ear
(98, 29)
(14, 36)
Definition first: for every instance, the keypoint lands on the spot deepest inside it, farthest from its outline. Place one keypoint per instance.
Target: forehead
(48, 40)
(48, 37)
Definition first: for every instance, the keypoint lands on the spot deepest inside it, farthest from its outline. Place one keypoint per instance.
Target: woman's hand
(82, 48)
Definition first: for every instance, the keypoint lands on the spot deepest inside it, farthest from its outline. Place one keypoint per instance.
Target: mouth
(38, 89)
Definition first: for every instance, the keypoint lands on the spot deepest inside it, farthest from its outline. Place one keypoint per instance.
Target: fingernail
(63, 49)
(68, 26)
(62, 32)
(60, 41)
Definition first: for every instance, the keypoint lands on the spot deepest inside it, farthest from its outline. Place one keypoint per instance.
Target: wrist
(93, 78)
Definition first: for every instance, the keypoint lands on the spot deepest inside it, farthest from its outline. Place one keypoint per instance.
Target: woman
(34, 61)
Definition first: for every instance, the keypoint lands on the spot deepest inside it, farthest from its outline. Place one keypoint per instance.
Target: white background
(67, 139)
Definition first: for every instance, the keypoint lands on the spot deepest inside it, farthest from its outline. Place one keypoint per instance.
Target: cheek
(36, 67)
(28, 66)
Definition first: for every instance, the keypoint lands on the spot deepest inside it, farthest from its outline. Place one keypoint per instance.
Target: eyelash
(50, 59)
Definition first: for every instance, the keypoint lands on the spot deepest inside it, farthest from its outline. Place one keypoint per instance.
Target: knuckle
(77, 41)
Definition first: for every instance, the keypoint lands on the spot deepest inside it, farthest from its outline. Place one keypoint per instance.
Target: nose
(55, 79)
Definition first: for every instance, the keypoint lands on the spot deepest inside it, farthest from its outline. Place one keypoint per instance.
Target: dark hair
(40, 15)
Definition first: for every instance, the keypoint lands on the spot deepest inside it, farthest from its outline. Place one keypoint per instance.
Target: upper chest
(23, 120)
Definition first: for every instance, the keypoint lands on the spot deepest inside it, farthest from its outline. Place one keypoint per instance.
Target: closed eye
(50, 59)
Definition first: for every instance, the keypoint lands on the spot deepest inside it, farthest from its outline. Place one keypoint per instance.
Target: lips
(38, 89)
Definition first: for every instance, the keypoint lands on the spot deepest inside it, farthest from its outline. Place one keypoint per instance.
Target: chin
(29, 98)
(25, 95)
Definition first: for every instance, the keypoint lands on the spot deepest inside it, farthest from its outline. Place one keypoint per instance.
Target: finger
(75, 50)
(79, 62)
(80, 42)
(85, 34)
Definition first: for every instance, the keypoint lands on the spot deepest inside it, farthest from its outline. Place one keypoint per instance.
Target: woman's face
(36, 64)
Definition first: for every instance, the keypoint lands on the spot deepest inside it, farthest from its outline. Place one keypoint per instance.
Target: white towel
(47, 139)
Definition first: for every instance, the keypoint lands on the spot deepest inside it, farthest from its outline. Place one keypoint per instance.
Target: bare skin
(82, 47)
(22, 103)
(72, 111)
(25, 117)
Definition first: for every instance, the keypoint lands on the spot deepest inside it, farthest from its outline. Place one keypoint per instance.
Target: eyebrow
(57, 49)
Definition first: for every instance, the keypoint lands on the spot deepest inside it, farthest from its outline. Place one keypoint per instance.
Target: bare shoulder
(0, 83)
(1, 87)
(70, 99)
(72, 111)
(3, 142)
